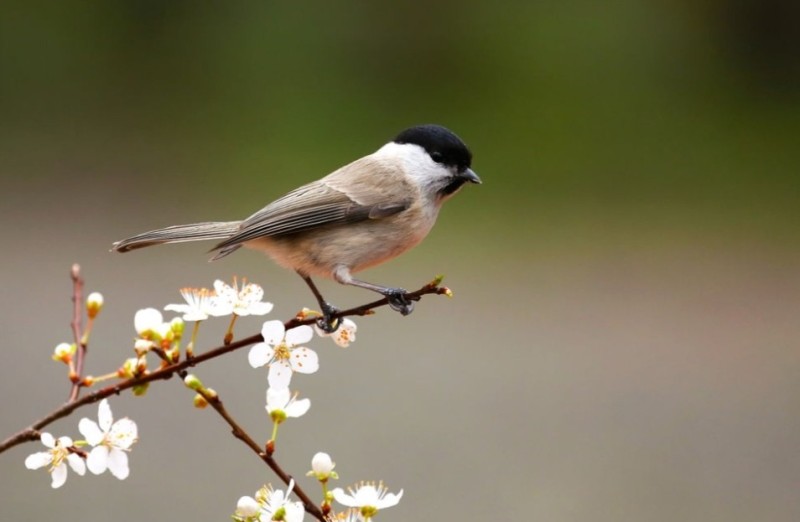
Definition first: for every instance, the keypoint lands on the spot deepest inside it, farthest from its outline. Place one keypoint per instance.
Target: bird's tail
(179, 234)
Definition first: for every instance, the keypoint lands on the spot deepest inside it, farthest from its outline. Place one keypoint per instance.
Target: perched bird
(359, 216)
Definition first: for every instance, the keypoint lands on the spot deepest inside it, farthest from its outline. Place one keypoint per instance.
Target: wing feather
(326, 202)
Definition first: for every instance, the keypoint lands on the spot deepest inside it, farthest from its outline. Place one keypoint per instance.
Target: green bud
(192, 382)
(177, 325)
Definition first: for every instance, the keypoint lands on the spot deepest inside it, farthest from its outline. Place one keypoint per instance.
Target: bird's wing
(348, 195)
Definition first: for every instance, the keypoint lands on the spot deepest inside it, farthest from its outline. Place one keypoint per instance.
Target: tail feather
(179, 234)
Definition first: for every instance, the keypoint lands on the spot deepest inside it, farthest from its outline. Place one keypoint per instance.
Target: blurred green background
(623, 344)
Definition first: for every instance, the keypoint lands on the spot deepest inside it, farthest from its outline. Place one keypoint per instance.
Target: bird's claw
(399, 301)
(327, 323)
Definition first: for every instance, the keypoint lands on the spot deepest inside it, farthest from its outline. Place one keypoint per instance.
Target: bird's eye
(437, 157)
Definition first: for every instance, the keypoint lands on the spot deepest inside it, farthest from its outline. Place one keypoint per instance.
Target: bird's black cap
(442, 145)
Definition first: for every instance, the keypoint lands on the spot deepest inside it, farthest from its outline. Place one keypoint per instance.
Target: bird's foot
(399, 300)
(327, 323)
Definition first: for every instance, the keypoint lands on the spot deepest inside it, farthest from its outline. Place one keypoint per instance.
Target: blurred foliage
(671, 114)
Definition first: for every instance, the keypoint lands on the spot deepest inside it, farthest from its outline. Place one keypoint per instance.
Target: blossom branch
(265, 454)
(75, 324)
(32, 432)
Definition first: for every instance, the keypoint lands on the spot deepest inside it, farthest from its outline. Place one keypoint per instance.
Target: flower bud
(177, 326)
(322, 467)
(142, 346)
(64, 352)
(146, 321)
(93, 304)
(247, 507)
(164, 332)
(199, 401)
(140, 389)
(192, 382)
(128, 368)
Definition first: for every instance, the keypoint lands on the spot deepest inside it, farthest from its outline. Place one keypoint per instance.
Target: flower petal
(272, 332)
(59, 475)
(180, 308)
(259, 308)
(346, 333)
(294, 512)
(297, 408)
(123, 433)
(390, 500)
(343, 498)
(224, 290)
(304, 360)
(76, 463)
(118, 463)
(280, 374)
(90, 431)
(260, 354)
(104, 416)
(367, 495)
(277, 398)
(301, 334)
(38, 460)
(97, 461)
(219, 307)
(48, 440)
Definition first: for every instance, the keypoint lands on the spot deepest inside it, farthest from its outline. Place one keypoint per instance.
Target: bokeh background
(624, 340)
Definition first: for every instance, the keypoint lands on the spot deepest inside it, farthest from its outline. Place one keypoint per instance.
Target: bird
(359, 216)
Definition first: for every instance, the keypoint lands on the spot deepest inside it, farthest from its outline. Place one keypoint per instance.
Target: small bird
(359, 216)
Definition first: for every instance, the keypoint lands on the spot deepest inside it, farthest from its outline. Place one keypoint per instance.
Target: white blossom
(111, 441)
(282, 352)
(240, 301)
(368, 497)
(57, 457)
(281, 404)
(344, 334)
(270, 504)
(200, 304)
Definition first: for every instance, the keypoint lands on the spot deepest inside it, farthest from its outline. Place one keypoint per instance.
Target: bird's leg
(327, 323)
(397, 297)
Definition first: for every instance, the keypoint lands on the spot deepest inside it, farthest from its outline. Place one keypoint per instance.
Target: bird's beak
(470, 176)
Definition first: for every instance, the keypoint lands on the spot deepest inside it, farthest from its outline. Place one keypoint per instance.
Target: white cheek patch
(417, 165)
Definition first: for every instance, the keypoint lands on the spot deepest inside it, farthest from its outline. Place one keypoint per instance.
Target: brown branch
(32, 432)
(77, 309)
(215, 402)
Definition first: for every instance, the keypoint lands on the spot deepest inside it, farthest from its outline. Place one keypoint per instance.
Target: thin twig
(77, 309)
(32, 432)
(215, 402)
